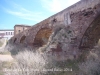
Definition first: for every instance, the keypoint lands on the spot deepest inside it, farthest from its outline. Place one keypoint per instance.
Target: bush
(1, 68)
(92, 65)
(27, 63)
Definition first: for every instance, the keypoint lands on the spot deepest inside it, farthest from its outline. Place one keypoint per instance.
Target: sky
(29, 12)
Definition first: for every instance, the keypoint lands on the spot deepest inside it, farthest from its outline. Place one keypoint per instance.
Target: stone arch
(22, 39)
(42, 37)
(14, 40)
(91, 35)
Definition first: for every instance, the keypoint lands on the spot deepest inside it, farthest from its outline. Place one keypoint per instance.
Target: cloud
(23, 13)
(34, 16)
(57, 5)
(50, 5)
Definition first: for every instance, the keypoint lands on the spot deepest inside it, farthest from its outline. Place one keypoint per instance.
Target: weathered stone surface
(42, 37)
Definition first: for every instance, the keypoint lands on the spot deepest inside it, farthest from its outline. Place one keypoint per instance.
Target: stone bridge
(83, 17)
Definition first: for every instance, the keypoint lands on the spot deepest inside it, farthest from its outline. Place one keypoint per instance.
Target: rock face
(59, 43)
(82, 21)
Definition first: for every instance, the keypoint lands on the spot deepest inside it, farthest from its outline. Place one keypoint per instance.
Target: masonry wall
(20, 28)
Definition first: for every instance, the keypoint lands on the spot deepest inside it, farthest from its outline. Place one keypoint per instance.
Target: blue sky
(29, 12)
